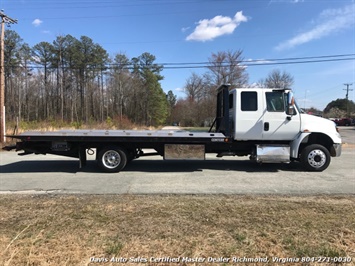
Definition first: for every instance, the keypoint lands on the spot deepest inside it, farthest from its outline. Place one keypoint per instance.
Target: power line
(119, 6)
(102, 4)
(249, 63)
(259, 63)
(276, 61)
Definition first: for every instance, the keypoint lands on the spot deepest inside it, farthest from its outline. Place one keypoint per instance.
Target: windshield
(287, 98)
(300, 110)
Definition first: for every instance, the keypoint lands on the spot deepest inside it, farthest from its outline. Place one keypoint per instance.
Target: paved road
(54, 174)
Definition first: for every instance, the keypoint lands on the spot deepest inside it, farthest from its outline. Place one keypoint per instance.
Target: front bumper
(335, 151)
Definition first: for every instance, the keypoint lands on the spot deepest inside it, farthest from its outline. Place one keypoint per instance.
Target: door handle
(266, 126)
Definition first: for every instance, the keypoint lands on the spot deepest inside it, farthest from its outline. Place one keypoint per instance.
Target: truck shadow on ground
(51, 166)
(148, 166)
(157, 166)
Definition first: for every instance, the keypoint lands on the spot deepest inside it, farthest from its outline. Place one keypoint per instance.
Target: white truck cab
(272, 119)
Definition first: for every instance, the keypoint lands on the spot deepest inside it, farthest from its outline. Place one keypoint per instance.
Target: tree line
(76, 80)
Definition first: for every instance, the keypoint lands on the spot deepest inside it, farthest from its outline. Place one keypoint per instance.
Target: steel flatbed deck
(115, 148)
(110, 135)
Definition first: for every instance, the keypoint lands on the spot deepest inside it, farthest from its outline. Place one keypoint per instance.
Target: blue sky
(189, 31)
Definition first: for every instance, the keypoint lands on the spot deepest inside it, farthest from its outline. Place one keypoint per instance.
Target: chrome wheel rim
(317, 158)
(111, 159)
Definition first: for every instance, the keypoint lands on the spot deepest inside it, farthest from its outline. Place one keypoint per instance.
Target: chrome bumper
(336, 150)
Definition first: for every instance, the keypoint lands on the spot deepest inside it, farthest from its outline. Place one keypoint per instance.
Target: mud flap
(82, 157)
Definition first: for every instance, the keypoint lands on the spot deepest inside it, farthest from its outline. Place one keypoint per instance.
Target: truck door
(277, 124)
(249, 113)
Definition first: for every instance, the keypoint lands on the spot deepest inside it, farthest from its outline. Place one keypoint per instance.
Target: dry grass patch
(70, 230)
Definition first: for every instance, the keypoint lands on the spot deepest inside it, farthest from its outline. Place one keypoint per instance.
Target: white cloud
(37, 22)
(185, 29)
(286, 1)
(330, 21)
(258, 61)
(209, 29)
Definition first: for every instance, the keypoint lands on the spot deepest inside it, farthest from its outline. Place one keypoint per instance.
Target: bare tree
(227, 67)
(276, 79)
(194, 87)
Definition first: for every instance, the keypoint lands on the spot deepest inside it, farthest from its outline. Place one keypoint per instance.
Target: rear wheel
(112, 159)
(315, 158)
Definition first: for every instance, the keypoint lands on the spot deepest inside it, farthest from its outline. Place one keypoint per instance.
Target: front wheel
(112, 159)
(315, 158)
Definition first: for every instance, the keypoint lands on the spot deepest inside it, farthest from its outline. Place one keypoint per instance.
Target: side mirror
(291, 110)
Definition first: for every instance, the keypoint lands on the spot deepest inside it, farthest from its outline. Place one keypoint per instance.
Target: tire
(112, 159)
(315, 158)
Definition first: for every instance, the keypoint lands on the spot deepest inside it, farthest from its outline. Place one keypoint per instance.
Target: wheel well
(318, 138)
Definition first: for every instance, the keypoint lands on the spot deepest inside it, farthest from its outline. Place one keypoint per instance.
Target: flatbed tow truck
(265, 124)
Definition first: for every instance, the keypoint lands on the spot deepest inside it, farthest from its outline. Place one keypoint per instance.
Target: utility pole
(347, 97)
(347, 89)
(7, 20)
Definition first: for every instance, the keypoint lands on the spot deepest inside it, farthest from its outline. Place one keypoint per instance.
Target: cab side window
(231, 102)
(249, 101)
(275, 101)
